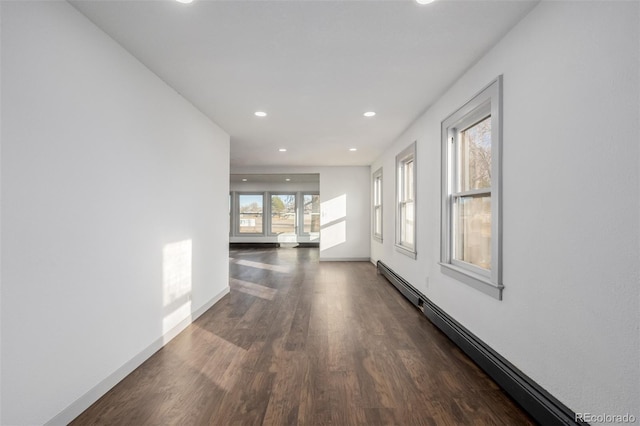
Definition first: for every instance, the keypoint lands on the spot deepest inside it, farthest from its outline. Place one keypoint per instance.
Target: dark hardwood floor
(302, 342)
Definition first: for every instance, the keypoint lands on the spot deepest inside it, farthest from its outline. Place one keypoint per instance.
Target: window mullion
(473, 193)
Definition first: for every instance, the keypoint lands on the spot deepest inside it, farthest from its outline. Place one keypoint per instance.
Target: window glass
(311, 211)
(283, 214)
(407, 219)
(377, 205)
(474, 156)
(473, 230)
(406, 209)
(250, 213)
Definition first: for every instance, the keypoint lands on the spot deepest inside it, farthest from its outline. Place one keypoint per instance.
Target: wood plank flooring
(298, 342)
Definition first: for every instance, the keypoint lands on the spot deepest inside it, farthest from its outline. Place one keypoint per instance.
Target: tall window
(377, 205)
(471, 139)
(250, 213)
(405, 219)
(283, 214)
(311, 215)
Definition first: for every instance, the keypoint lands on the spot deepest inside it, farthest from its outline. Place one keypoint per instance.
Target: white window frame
(296, 219)
(404, 196)
(377, 205)
(486, 103)
(301, 196)
(236, 211)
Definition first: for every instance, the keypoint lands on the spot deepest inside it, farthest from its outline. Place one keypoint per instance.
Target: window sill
(476, 281)
(407, 252)
(377, 238)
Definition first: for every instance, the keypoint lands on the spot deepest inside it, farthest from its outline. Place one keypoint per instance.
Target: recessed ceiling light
(260, 114)
(185, 1)
(288, 180)
(424, 1)
(369, 114)
(353, 149)
(244, 180)
(283, 150)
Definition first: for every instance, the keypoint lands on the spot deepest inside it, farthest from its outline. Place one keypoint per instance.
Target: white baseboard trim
(85, 401)
(345, 259)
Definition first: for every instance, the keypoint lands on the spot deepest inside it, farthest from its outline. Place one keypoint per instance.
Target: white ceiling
(276, 178)
(314, 66)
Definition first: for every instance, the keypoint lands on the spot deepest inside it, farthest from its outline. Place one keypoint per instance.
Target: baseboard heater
(539, 403)
(272, 245)
(253, 245)
(308, 245)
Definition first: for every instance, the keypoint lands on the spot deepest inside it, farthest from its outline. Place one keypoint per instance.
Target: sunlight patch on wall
(333, 210)
(333, 235)
(176, 283)
(333, 222)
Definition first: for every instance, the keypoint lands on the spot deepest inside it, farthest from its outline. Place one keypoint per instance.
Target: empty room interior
(319, 212)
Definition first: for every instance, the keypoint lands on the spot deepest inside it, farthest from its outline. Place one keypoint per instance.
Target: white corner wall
(113, 188)
(571, 161)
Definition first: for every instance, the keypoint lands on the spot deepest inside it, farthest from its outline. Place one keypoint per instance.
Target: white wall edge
(85, 401)
(345, 259)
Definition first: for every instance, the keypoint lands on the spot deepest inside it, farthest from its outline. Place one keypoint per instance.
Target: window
(471, 182)
(250, 213)
(283, 214)
(275, 214)
(377, 205)
(405, 219)
(311, 215)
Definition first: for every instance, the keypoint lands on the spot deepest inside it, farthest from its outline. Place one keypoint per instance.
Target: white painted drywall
(345, 218)
(345, 237)
(1, 197)
(570, 317)
(105, 171)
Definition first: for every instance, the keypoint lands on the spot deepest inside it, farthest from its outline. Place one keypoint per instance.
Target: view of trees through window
(250, 213)
(283, 214)
(311, 211)
(272, 213)
(473, 206)
(475, 156)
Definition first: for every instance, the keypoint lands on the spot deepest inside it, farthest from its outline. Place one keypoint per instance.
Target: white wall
(1, 197)
(104, 169)
(345, 213)
(345, 208)
(570, 314)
